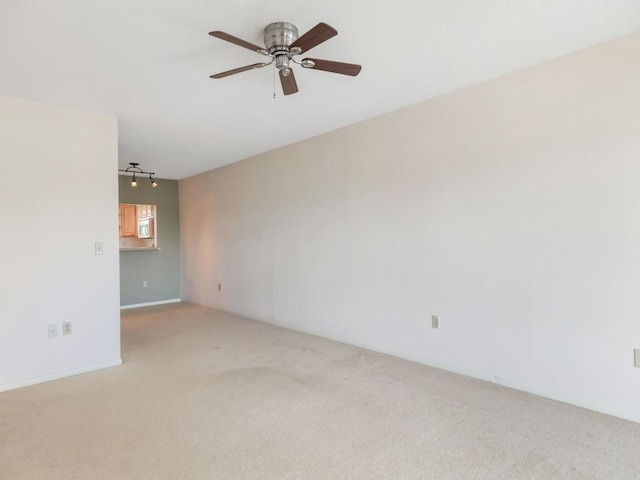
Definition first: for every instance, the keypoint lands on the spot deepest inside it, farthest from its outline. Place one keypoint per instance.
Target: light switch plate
(99, 248)
(636, 358)
(52, 330)
(435, 321)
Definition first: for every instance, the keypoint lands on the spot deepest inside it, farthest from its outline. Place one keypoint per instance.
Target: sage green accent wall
(160, 268)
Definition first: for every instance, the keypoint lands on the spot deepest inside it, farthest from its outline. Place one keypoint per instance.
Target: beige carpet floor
(206, 395)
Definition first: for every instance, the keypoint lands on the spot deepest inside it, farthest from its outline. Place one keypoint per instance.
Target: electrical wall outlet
(636, 358)
(145, 284)
(435, 322)
(66, 328)
(52, 330)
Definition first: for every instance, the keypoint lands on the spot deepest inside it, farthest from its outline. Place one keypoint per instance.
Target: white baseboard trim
(56, 376)
(149, 304)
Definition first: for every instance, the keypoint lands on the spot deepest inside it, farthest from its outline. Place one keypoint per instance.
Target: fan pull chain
(274, 82)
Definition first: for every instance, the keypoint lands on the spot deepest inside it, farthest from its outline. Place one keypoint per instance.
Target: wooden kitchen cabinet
(144, 211)
(127, 220)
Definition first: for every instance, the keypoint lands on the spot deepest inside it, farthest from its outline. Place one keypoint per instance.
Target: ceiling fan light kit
(282, 44)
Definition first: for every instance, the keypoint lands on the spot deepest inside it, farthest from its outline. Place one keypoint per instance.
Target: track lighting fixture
(134, 168)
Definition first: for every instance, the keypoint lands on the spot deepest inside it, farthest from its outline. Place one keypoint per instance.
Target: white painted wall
(58, 196)
(511, 209)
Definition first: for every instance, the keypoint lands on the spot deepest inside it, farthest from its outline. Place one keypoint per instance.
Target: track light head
(133, 181)
(154, 184)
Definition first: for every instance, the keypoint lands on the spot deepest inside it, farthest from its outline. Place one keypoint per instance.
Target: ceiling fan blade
(236, 40)
(237, 70)
(289, 84)
(318, 34)
(335, 67)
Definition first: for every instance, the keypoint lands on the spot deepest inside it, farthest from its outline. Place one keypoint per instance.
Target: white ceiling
(149, 61)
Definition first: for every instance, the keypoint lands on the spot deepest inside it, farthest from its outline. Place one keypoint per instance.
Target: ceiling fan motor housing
(278, 37)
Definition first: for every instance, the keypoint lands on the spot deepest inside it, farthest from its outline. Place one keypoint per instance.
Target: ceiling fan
(282, 44)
